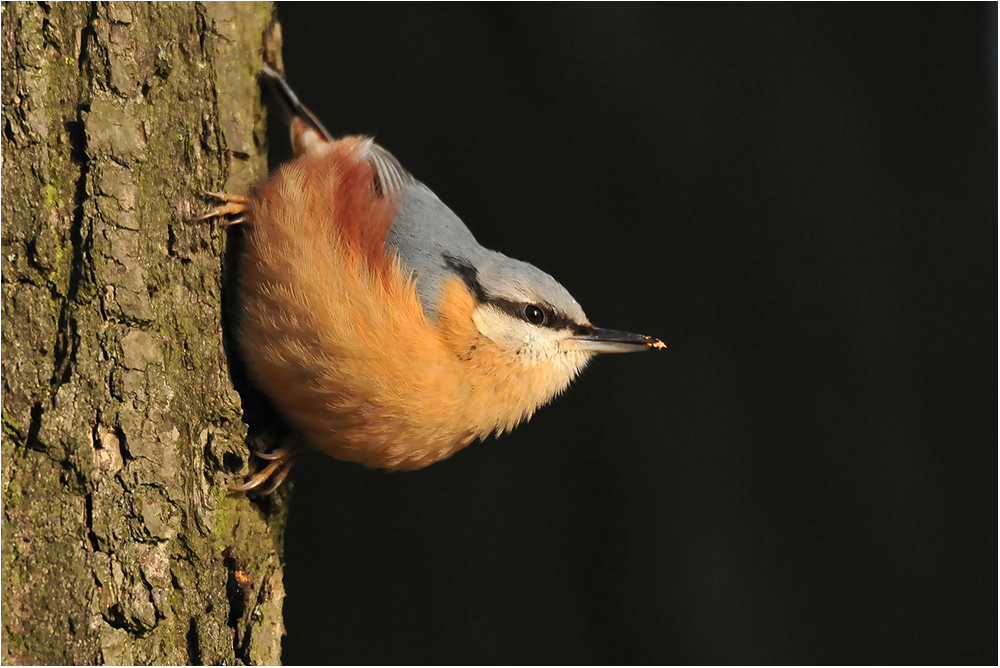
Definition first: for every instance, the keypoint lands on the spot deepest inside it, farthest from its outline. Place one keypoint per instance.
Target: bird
(368, 313)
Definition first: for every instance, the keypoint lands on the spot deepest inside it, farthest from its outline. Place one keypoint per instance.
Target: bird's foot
(281, 461)
(234, 205)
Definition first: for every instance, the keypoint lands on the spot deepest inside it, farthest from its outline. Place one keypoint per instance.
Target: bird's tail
(288, 102)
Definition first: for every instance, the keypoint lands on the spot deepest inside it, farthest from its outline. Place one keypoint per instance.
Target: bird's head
(536, 336)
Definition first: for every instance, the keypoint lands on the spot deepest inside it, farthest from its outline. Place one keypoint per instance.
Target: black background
(801, 201)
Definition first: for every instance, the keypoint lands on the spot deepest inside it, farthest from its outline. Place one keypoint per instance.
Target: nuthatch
(376, 323)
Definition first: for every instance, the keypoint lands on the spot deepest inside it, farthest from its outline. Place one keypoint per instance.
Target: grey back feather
(429, 238)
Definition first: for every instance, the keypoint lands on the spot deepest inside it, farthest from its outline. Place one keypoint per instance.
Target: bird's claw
(281, 462)
(235, 205)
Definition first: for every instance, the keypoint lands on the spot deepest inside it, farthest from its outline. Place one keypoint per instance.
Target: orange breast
(331, 327)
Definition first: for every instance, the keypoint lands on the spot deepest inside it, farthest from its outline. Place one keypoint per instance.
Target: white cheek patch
(499, 327)
(531, 344)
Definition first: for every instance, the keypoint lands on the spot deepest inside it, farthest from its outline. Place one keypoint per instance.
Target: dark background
(801, 201)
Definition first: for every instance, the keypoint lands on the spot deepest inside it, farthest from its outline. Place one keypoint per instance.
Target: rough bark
(122, 431)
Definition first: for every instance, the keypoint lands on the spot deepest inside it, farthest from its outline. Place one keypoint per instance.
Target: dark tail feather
(289, 103)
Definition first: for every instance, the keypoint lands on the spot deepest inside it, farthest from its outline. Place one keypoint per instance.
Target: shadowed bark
(122, 431)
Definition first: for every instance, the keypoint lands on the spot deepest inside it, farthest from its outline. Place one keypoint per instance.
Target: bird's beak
(612, 341)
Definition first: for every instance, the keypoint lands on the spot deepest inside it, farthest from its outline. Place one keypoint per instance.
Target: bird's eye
(534, 314)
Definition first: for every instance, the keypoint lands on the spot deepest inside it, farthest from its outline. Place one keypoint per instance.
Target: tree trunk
(122, 432)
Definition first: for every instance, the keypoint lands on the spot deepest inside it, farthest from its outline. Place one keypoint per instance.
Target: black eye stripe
(553, 318)
(513, 309)
(559, 321)
(468, 274)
